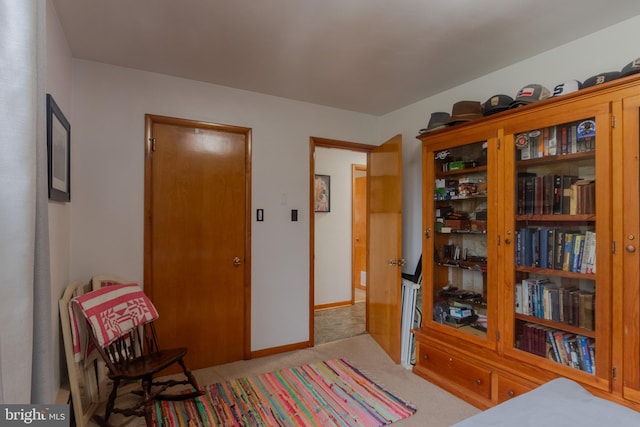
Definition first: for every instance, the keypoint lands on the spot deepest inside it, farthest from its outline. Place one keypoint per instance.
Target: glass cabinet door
(557, 228)
(458, 220)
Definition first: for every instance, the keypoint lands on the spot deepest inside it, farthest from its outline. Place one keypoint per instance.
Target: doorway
(384, 239)
(338, 268)
(197, 237)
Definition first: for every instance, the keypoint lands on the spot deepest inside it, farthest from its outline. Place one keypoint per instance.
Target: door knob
(237, 261)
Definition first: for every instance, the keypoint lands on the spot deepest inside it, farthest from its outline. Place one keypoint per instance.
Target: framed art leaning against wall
(58, 152)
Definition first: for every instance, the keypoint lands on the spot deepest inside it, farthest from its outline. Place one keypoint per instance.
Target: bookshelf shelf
(475, 196)
(557, 325)
(469, 232)
(465, 171)
(554, 272)
(558, 159)
(464, 265)
(559, 218)
(544, 229)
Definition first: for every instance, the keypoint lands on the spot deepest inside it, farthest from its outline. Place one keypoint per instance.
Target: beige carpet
(436, 407)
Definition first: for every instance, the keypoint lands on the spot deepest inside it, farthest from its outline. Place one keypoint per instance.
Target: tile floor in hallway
(343, 322)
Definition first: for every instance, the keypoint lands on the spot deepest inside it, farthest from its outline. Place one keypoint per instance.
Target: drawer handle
(478, 381)
(425, 357)
(511, 393)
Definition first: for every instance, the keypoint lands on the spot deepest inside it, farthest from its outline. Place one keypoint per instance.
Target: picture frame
(58, 152)
(322, 193)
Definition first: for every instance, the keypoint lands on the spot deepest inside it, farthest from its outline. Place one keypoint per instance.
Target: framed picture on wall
(58, 152)
(322, 193)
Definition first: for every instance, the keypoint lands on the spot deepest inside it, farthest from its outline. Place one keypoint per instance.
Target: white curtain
(44, 385)
(25, 300)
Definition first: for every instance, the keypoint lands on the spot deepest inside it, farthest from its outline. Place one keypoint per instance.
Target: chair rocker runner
(120, 326)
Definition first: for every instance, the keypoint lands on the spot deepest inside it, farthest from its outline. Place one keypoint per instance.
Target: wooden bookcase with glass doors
(530, 219)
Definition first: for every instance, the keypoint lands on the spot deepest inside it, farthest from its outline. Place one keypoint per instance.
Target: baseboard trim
(281, 349)
(332, 305)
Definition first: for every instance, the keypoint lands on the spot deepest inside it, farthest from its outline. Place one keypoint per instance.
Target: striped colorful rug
(329, 393)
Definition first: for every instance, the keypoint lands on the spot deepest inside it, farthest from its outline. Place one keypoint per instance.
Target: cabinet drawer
(508, 389)
(452, 368)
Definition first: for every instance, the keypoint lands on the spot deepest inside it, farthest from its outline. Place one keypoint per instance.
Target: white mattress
(560, 402)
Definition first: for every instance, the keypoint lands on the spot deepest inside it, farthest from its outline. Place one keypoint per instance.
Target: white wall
(332, 282)
(606, 50)
(58, 84)
(109, 104)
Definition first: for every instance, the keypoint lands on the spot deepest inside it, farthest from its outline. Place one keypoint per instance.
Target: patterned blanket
(111, 311)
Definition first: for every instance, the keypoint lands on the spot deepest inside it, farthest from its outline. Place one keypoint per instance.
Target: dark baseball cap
(601, 78)
(631, 68)
(496, 104)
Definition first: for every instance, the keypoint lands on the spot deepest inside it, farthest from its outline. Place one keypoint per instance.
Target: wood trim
(325, 143)
(277, 350)
(355, 168)
(333, 305)
(345, 145)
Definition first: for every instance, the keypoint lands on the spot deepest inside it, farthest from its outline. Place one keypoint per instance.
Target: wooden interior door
(384, 293)
(197, 223)
(359, 228)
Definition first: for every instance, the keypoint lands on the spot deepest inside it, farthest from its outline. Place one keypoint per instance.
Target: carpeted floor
(435, 407)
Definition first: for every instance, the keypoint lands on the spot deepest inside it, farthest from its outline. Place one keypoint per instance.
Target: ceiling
(369, 56)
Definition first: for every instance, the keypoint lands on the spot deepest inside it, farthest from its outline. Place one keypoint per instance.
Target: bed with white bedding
(560, 402)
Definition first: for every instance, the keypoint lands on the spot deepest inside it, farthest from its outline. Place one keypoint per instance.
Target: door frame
(325, 143)
(150, 120)
(354, 170)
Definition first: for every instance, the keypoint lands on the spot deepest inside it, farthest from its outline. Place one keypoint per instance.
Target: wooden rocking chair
(130, 349)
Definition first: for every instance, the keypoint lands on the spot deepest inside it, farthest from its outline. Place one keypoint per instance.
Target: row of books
(554, 194)
(568, 349)
(544, 299)
(557, 249)
(557, 140)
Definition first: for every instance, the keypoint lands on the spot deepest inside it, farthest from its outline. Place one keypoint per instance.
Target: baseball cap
(631, 68)
(496, 103)
(529, 94)
(566, 87)
(601, 78)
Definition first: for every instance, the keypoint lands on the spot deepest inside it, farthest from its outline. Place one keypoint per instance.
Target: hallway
(343, 322)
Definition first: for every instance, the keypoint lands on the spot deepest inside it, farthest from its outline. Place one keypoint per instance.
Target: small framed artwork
(322, 196)
(58, 152)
